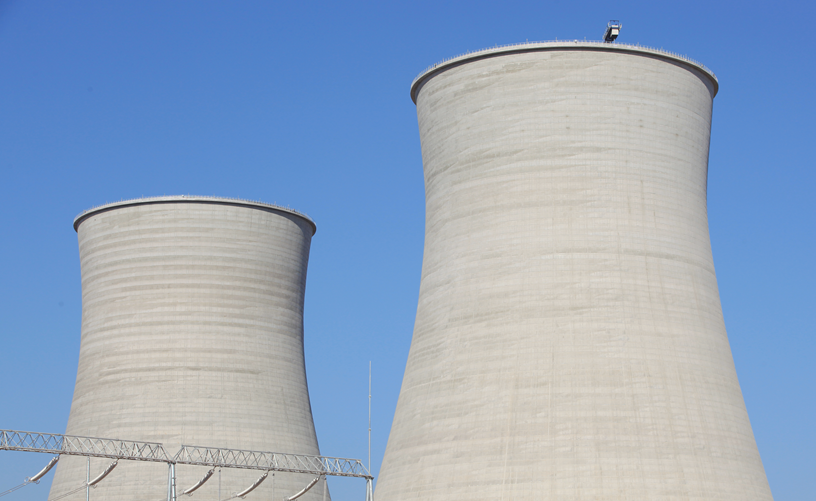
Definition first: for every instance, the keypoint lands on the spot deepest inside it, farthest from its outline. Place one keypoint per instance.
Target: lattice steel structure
(52, 443)
(271, 461)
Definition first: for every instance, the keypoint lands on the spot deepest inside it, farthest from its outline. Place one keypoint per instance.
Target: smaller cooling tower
(192, 333)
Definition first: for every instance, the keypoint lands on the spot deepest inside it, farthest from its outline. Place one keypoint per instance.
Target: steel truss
(270, 461)
(52, 443)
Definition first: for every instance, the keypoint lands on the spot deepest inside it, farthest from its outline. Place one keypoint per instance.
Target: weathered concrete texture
(569, 341)
(192, 332)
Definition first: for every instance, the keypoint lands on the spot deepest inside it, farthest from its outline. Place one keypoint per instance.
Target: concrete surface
(192, 332)
(569, 341)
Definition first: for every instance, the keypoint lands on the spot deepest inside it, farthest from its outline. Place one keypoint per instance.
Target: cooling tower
(569, 340)
(192, 333)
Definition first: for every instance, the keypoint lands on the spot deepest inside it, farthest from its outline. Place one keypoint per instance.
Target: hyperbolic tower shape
(192, 333)
(569, 340)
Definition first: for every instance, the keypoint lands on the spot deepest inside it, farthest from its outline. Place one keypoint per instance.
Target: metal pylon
(171, 482)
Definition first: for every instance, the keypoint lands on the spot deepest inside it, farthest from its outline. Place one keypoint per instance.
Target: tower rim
(554, 45)
(238, 202)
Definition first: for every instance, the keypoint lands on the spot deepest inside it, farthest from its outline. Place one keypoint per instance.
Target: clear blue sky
(307, 104)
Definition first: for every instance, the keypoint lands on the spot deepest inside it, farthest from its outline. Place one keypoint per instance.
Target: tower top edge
(238, 202)
(581, 45)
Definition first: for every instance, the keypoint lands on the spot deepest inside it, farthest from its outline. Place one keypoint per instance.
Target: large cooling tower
(192, 333)
(569, 341)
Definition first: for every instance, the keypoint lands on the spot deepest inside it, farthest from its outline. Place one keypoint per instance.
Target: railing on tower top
(559, 43)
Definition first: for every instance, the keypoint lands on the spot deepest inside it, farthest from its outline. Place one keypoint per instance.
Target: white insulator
(103, 474)
(302, 492)
(252, 487)
(45, 470)
(200, 482)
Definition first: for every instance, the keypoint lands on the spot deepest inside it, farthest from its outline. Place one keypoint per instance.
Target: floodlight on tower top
(612, 31)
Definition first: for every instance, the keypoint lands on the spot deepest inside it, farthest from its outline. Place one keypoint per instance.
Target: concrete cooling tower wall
(192, 333)
(569, 341)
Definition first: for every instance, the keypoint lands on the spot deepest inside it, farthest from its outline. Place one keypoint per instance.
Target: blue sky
(307, 104)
